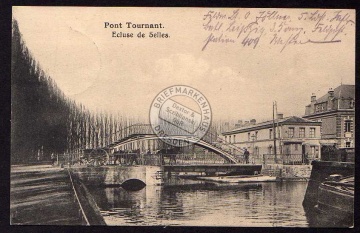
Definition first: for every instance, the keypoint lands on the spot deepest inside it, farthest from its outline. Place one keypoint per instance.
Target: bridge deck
(244, 169)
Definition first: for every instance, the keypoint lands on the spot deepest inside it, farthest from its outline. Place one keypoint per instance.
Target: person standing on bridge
(52, 159)
(246, 156)
(134, 157)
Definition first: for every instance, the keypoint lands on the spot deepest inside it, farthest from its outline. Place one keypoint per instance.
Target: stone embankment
(46, 195)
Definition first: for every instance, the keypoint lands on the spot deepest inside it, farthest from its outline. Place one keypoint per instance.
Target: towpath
(42, 195)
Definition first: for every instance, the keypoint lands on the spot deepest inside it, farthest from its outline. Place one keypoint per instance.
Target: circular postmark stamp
(180, 115)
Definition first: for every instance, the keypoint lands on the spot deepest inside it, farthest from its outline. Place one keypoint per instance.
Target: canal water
(195, 203)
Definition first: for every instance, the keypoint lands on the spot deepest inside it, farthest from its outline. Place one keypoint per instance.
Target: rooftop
(343, 91)
(283, 121)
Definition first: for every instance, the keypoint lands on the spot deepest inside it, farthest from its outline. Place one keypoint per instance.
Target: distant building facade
(293, 135)
(230, 125)
(336, 112)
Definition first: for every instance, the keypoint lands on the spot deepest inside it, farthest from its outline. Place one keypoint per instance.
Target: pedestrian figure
(133, 158)
(307, 158)
(128, 157)
(147, 160)
(246, 155)
(52, 159)
(172, 159)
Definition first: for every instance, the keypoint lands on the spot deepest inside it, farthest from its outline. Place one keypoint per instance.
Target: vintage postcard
(141, 116)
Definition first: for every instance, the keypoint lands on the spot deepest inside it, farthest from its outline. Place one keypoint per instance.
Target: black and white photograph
(189, 117)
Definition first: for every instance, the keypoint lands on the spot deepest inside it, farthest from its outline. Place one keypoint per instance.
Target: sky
(123, 75)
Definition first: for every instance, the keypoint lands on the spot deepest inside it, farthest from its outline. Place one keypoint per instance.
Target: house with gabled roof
(336, 112)
(294, 136)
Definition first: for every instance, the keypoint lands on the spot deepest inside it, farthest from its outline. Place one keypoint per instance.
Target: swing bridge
(138, 146)
(139, 141)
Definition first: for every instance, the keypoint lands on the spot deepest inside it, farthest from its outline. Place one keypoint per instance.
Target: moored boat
(239, 179)
(336, 195)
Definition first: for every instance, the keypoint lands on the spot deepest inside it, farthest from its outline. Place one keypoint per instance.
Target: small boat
(336, 195)
(239, 179)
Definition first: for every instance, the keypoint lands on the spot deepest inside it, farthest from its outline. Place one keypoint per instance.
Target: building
(293, 136)
(336, 111)
(230, 125)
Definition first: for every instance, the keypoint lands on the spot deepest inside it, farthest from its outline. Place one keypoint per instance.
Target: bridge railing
(128, 159)
(168, 159)
(214, 138)
(210, 137)
(193, 159)
(136, 129)
(217, 141)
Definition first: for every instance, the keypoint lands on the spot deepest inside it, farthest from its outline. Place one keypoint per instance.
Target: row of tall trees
(44, 120)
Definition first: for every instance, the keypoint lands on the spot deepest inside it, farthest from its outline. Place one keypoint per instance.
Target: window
(347, 126)
(256, 135)
(230, 139)
(325, 106)
(256, 150)
(352, 103)
(225, 138)
(270, 149)
(296, 147)
(312, 132)
(347, 144)
(234, 138)
(249, 137)
(291, 132)
(270, 133)
(302, 133)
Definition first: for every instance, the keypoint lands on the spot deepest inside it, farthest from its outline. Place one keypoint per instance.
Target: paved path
(42, 195)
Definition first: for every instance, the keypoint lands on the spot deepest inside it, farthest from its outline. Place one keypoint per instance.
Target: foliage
(44, 120)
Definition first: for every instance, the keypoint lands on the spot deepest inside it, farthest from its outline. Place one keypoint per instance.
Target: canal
(195, 203)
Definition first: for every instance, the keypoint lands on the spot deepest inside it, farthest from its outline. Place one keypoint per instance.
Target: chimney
(280, 116)
(313, 98)
(252, 122)
(331, 92)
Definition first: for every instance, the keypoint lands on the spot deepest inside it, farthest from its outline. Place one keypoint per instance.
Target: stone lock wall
(288, 171)
(116, 175)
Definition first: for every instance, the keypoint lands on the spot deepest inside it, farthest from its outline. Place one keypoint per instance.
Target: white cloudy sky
(124, 75)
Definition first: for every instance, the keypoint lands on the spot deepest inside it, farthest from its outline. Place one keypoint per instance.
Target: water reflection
(316, 218)
(206, 204)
